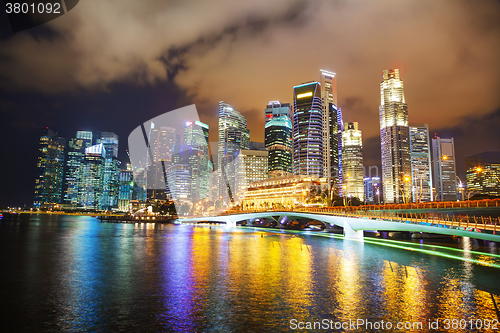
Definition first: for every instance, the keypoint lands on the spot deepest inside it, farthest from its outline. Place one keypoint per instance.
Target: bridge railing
(467, 222)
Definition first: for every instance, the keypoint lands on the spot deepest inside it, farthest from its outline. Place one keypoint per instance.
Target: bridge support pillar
(350, 233)
(230, 223)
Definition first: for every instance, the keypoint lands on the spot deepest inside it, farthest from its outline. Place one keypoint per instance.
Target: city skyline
(234, 138)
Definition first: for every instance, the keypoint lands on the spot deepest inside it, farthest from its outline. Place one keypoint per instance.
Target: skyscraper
(352, 153)
(328, 83)
(394, 139)
(162, 140)
(126, 188)
(110, 142)
(233, 136)
(277, 109)
(278, 139)
(443, 155)
(340, 130)
(421, 174)
(483, 173)
(91, 178)
(196, 142)
(50, 169)
(308, 130)
(74, 160)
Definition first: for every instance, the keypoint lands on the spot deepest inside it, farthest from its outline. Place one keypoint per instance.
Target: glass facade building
(421, 173)
(445, 177)
(196, 142)
(126, 189)
(90, 187)
(278, 139)
(74, 160)
(308, 130)
(328, 82)
(162, 140)
(352, 153)
(394, 139)
(233, 136)
(50, 169)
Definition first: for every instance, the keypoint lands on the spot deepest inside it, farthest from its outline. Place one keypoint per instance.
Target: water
(69, 273)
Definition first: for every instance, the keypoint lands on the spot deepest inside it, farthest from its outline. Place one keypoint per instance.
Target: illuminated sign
(307, 94)
(189, 123)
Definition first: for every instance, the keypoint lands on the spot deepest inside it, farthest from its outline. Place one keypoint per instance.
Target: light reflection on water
(74, 273)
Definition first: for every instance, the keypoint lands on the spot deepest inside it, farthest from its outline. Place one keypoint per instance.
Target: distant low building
(373, 191)
(287, 192)
(483, 173)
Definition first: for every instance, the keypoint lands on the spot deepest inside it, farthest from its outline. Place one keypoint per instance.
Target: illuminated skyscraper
(340, 130)
(308, 130)
(126, 188)
(74, 160)
(162, 140)
(483, 173)
(278, 138)
(90, 187)
(352, 153)
(277, 109)
(196, 142)
(179, 179)
(50, 169)
(394, 139)
(233, 136)
(445, 179)
(110, 142)
(421, 174)
(328, 83)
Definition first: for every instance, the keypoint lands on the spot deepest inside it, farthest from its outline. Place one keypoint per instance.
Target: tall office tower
(328, 83)
(278, 139)
(483, 173)
(251, 166)
(74, 160)
(394, 139)
(110, 183)
(179, 180)
(126, 188)
(277, 109)
(196, 142)
(420, 154)
(162, 140)
(233, 136)
(308, 130)
(50, 169)
(110, 142)
(110, 170)
(443, 156)
(92, 177)
(352, 153)
(340, 129)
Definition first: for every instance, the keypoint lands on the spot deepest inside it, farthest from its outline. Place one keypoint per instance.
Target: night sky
(111, 65)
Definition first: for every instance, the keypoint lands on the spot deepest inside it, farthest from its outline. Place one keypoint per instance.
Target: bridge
(354, 225)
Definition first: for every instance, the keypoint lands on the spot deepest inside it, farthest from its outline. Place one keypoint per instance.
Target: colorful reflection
(77, 274)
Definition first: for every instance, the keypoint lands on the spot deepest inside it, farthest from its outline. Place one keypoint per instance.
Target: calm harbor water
(69, 273)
